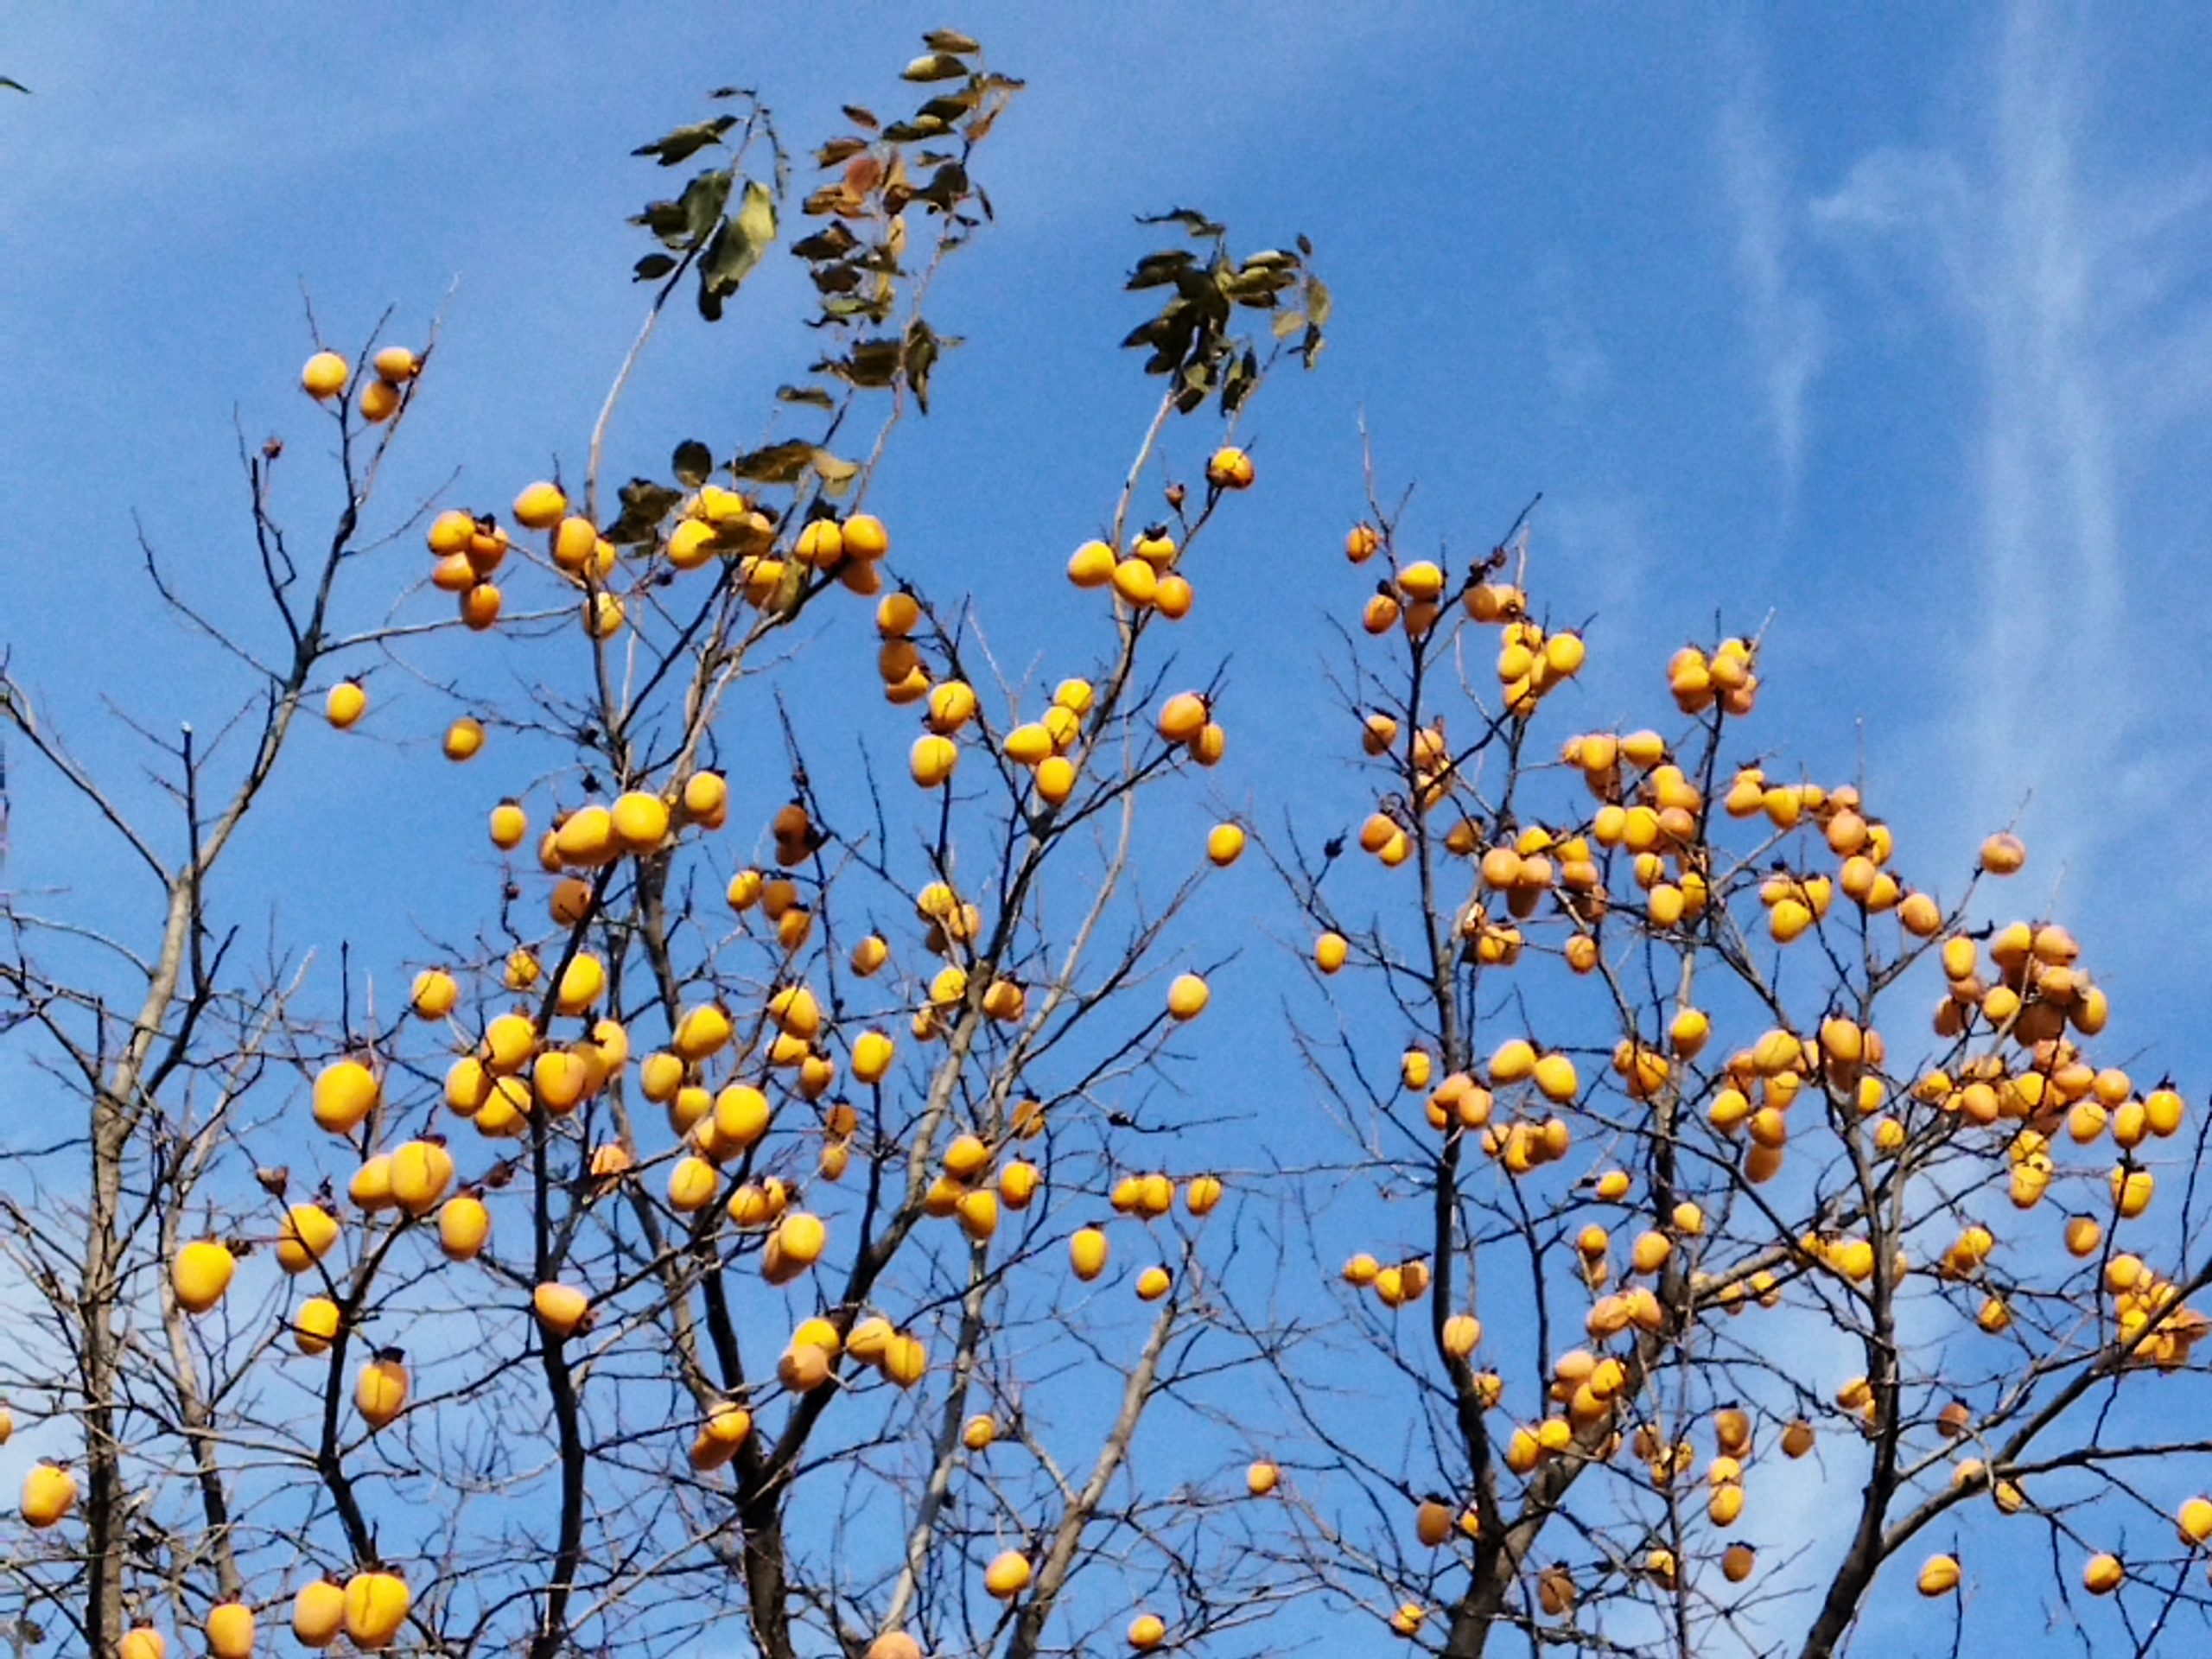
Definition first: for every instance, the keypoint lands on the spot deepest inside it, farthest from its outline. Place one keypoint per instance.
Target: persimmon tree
(747, 1215)
(1718, 1157)
(718, 1222)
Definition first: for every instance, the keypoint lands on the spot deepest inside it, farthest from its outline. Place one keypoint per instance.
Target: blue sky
(1892, 324)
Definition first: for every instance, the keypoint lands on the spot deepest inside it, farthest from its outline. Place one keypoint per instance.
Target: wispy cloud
(1576, 365)
(196, 93)
(2054, 276)
(1604, 538)
(1783, 320)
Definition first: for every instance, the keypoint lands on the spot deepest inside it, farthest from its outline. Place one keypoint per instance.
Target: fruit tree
(746, 1201)
(1722, 1152)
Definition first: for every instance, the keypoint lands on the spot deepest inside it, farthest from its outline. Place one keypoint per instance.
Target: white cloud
(2063, 278)
(1787, 330)
(200, 103)
(1575, 364)
(1604, 540)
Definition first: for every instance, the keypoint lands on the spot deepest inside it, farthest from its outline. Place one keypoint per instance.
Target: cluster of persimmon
(1533, 1082)
(1144, 579)
(2155, 1328)
(713, 524)
(965, 1190)
(1042, 747)
(393, 370)
(2035, 991)
(1530, 662)
(1186, 722)
(1584, 1380)
(1148, 577)
(469, 549)
(1759, 1084)
(1651, 810)
(1395, 1285)
(1150, 1197)
(1797, 901)
(1726, 676)
(779, 903)
(716, 523)
(1587, 1390)
(811, 1361)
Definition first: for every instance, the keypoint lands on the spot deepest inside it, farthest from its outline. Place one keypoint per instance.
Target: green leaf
(947, 107)
(934, 65)
(951, 40)
(686, 141)
(693, 464)
(780, 463)
(1318, 304)
(837, 475)
(814, 397)
(14, 86)
(945, 188)
(1199, 287)
(645, 504)
(665, 219)
(1189, 217)
(833, 241)
(1243, 375)
(652, 268)
(1158, 270)
(737, 244)
(756, 216)
(702, 201)
(711, 297)
(923, 347)
(1255, 287)
(874, 362)
(645, 495)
